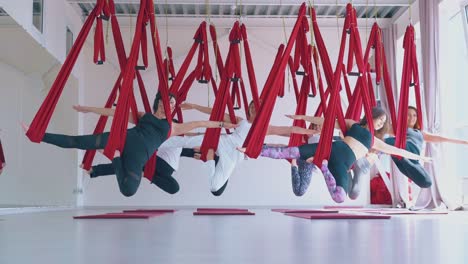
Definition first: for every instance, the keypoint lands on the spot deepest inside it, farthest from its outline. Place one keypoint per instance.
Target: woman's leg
(336, 190)
(411, 168)
(361, 168)
(128, 175)
(163, 177)
(97, 141)
(301, 176)
(280, 152)
(102, 170)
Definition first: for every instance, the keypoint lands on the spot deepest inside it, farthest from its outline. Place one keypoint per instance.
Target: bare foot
(87, 171)
(24, 126)
(293, 162)
(210, 154)
(241, 149)
(117, 154)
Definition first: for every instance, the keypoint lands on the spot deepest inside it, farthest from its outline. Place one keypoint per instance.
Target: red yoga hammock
(2, 156)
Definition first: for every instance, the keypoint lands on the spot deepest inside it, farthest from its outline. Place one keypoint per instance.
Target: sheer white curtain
(434, 196)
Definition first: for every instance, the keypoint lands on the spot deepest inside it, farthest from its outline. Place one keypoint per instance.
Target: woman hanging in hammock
(415, 138)
(355, 145)
(141, 141)
(227, 154)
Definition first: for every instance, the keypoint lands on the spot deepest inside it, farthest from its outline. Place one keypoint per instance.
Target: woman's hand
(295, 117)
(187, 106)
(228, 125)
(81, 109)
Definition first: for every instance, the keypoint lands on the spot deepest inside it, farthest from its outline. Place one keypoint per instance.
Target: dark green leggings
(162, 176)
(411, 168)
(127, 168)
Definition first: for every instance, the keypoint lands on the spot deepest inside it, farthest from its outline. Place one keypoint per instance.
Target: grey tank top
(415, 137)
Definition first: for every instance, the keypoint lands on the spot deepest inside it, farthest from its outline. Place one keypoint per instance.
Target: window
(69, 41)
(466, 13)
(38, 14)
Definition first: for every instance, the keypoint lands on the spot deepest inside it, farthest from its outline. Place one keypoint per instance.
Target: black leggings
(127, 168)
(162, 176)
(411, 168)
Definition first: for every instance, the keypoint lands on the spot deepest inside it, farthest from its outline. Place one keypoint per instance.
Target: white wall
(255, 182)
(36, 174)
(57, 16)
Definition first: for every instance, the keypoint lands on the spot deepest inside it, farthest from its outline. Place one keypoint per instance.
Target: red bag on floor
(379, 192)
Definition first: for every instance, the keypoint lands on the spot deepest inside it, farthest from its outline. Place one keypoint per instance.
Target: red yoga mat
(407, 212)
(221, 209)
(150, 211)
(222, 212)
(304, 211)
(338, 216)
(337, 207)
(120, 216)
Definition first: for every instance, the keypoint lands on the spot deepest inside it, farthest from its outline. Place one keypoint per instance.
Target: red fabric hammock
(2, 156)
(257, 133)
(42, 118)
(231, 70)
(334, 111)
(89, 154)
(410, 72)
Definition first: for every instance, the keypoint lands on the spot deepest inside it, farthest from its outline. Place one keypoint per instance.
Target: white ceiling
(385, 9)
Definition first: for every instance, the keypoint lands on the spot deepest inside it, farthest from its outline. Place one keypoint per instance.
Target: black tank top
(153, 131)
(360, 134)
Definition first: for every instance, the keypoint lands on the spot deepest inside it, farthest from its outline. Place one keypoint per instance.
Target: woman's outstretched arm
(389, 149)
(206, 110)
(179, 129)
(103, 111)
(441, 139)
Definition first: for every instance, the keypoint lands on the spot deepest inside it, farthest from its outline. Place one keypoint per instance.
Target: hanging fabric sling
(42, 118)
(257, 133)
(2, 156)
(410, 77)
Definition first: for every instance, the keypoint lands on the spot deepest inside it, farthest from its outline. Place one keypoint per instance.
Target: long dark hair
(418, 124)
(157, 98)
(376, 113)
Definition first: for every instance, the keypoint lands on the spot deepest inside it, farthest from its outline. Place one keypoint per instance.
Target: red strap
(231, 68)
(257, 133)
(250, 70)
(2, 156)
(118, 130)
(42, 118)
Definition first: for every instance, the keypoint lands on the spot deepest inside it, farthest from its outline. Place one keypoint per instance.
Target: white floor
(267, 237)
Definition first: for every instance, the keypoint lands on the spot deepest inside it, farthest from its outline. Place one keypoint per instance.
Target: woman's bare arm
(287, 130)
(441, 139)
(320, 120)
(206, 110)
(179, 129)
(103, 111)
(389, 149)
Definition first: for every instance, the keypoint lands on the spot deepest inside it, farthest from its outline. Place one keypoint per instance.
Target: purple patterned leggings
(301, 179)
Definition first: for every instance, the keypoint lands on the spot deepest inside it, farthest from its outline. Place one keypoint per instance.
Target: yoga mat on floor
(150, 211)
(338, 216)
(119, 216)
(338, 207)
(222, 212)
(221, 209)
(407, 212)
(304, 211)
